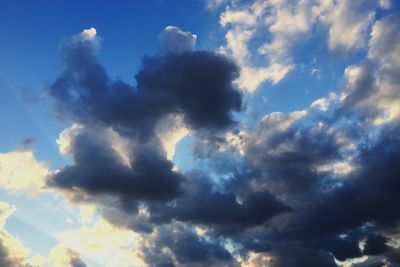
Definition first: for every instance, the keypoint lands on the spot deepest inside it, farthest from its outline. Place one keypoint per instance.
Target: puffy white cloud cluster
(281, 25)
(20, 171)
(173, 39)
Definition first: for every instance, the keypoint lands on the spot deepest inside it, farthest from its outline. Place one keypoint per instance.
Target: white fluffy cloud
(88, 35)
(20, 171)
(324, 103)
(348, 22)
(173, 39)
(283, 24)
(373, 85)
(170, 132)
(105, 244)
(61, 256)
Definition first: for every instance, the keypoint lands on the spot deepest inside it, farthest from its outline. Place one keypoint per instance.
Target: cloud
(298, 188)
(173, 40)
(215, 4)
(194, 88)
(12, 251)
(285, 24)
(20, 171)
(61, 256)
(199, 86)
(368, 195)
(98, 169)
(286, 154)
(371, 90)
(348, 22)
(297, 256)
(170, 132)
(104, 244)
(324, 103)
(183, 247)
(376, 244)
(222, 211)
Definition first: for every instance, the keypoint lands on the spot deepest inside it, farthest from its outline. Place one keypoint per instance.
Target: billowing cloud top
(174, 40)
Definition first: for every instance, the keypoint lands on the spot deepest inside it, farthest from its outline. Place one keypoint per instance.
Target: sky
(236, 133)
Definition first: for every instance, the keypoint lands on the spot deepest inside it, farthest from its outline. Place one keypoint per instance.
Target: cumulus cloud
(196, 86)
(287, 154)
(348, 22)
(62, 256)
(284, 24)
(223, 212)
(98, 169)
(372, 86)
(324, 103)
(183, 247)
(102, 243)
(294, 189)
(12, 252)
(201, 90)
(174, 40)
(20, 171)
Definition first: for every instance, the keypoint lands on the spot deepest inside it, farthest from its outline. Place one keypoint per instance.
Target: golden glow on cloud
(20, 171)
(105, 244)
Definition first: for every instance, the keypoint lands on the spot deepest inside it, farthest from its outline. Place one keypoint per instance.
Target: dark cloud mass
(7, 259)
(376, 244)
(301, 257)
(221, 210)
(369, 195)
(276, 192)
(187, 248)
(286, 170)
(97, 170)
(196, 84)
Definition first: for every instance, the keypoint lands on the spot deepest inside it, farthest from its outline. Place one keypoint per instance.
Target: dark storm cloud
(287, 160)
(375, 244)
(341, 247)
(187, 247)
(221, 211)
(296, 255)
(196, 84)
(369, 195)
(98, 170)
(336, 219)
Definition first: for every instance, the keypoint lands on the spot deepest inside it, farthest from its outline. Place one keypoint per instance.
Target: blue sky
(183, 133)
